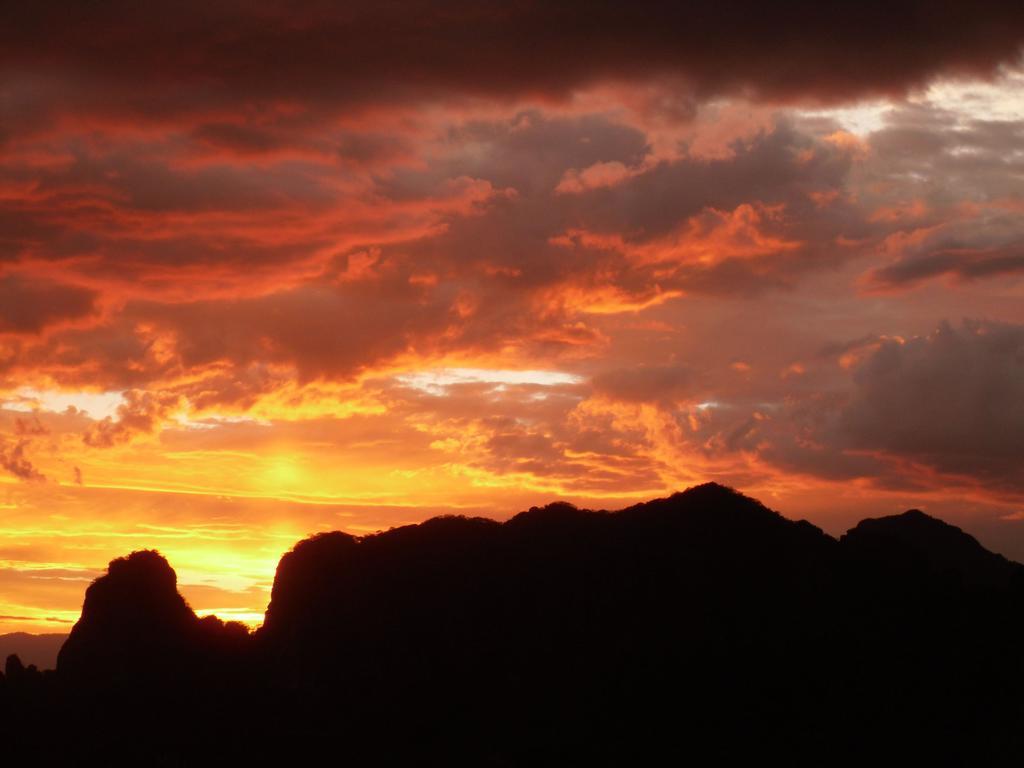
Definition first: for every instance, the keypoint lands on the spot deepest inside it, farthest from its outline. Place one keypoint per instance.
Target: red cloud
(29, 304)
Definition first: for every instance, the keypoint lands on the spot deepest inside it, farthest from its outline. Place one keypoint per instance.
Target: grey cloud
(975, 248)
(953, 400)
(958, 183)
(647, 383)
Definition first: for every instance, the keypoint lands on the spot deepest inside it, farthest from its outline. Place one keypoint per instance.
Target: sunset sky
(267, 271)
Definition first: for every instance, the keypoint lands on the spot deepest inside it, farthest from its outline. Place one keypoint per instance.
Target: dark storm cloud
(946, 409)
(958, 263)
(159, 57)
(953, 400)
(29, 304)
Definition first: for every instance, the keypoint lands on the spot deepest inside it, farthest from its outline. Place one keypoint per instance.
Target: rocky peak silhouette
(700, 624)
(133, 622)
(136, 628)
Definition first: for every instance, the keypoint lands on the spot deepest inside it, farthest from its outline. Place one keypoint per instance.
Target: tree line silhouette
(699, 628)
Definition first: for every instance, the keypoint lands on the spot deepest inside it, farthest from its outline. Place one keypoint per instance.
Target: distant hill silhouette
(702, 628)
(915, 541)
(40, 650)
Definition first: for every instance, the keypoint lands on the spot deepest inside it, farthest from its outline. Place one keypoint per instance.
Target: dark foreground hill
(701, 629)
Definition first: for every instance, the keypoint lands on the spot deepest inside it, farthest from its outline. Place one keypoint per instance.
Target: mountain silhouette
(703, 627)
(40, 650)
(916, 541)
(136, 628)
(132, 613)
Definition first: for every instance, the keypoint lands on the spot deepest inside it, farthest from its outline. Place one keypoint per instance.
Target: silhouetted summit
(551, 622)
(716, 513)
(135, 627)
(915, 540)
(557, 558)
(703, 627)
(131, 616)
